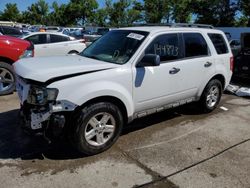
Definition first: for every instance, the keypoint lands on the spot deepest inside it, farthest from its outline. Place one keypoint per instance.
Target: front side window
(58, 38)
(195, 45)
(117, 46)
(166, 46)
(38, 39)
(219, 43)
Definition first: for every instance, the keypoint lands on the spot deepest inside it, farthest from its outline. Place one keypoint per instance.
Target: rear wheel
(211, 96)
(98, 126)
(7, 79)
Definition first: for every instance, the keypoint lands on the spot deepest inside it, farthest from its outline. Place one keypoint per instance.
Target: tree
(11, 13)
(181, 10)
(123, 12)
(216, 12)
(57, 15)
(80, 11)
(245, 7)
(101, 17)
(117, 12)
(135, 14)
(37, 13)
(156, 11)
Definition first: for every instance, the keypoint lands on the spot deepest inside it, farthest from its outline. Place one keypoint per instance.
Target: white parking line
(224, 108)
(167, 141)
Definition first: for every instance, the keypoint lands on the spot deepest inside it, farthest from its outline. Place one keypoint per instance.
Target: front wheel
(98, 126)
(211, 96)
(7, 79)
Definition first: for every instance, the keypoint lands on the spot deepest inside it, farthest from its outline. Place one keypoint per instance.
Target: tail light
(231, 63)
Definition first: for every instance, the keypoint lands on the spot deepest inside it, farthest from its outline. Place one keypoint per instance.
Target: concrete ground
(175, 148)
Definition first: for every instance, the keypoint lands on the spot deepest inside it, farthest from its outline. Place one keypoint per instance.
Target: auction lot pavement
(175, 148)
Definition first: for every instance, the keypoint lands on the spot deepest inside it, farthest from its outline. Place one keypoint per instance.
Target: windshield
(116, 46)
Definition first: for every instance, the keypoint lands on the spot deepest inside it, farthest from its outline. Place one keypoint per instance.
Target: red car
(11, 49)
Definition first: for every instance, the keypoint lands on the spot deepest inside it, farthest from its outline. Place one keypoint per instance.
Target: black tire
(204, 103)
(82, 124)
(6, 70)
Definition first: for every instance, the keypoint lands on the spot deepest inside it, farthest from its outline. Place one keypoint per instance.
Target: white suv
(127, 74)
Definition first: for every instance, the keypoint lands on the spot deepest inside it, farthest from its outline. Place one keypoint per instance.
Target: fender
(80, 94)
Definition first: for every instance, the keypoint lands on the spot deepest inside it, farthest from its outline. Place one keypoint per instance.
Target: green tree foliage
(117, 12)
(181, 10)
(81, 11)
(11, 13)
(57, 15)
(37, 13)
(245, 7)
(101, 16)
(156, 11)
(123, 12)
(215, 12)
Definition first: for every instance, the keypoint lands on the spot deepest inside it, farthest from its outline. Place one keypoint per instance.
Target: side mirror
(149, 60)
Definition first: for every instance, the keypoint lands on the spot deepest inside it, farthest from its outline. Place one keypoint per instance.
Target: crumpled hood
(42, 69)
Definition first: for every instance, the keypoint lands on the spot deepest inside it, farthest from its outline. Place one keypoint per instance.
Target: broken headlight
(40, 95)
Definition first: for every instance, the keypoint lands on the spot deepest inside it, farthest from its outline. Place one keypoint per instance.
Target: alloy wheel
(100, 129)
(6, 79)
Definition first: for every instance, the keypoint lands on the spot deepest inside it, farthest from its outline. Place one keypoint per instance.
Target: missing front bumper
(38, 119)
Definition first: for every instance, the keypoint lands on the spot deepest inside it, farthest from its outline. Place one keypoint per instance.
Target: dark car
(242, 63)
(11, 31)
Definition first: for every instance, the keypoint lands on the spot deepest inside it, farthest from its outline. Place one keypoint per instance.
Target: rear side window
(58, 38)
(195, 45)
(219, 43)
(166, 46)
(38, 39)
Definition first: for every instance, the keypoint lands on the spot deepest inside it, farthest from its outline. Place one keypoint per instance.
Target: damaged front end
(41, 113)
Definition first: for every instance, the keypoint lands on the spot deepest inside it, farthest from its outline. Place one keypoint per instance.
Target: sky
(23, 4)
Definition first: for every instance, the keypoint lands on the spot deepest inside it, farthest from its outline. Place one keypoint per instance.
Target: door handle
(208, 64)
(174, 70)
(44, 46)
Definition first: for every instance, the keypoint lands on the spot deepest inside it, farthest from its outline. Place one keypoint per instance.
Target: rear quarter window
(58, 38)
(219, 43)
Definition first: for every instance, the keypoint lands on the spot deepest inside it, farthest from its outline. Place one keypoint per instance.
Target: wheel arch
(219, 77)
(111, 99)
(6, 60)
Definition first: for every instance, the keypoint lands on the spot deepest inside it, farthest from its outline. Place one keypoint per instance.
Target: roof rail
(192, 25)
(178, 25)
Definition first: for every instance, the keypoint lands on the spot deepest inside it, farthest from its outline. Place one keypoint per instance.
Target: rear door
(198, 62)
(58, 44)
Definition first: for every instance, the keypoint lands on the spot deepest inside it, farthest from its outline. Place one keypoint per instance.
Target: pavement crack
(164, 178)
(155, 176)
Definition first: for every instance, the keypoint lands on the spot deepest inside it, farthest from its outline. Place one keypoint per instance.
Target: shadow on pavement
(14, 143)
